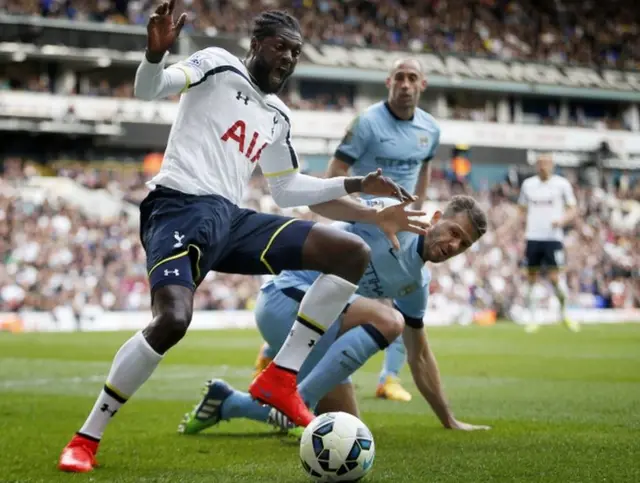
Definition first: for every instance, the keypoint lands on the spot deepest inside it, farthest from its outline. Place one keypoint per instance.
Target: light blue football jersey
(391, 274)
(379, 139)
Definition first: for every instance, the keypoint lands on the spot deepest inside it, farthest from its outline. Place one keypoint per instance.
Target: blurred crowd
(316, 96)
(20, 78)
(587, 33)
(53, 255)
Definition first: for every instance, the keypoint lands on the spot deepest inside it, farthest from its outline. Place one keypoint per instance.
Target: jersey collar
(386, 104)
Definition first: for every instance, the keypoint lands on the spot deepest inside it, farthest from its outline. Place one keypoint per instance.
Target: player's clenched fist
(162, 31)
(376, 184)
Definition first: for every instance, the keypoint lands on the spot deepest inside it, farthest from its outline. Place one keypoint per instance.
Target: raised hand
(376, 184)
(396, 218)
(162, 31)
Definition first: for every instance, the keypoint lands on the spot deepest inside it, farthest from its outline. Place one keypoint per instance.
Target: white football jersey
(545, 202)
(224, 127)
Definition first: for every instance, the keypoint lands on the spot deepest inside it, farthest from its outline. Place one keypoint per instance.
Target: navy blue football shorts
(186, 236)
(544, 254)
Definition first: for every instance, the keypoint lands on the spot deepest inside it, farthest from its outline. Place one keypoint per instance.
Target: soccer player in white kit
(228, 121)
(550, 205)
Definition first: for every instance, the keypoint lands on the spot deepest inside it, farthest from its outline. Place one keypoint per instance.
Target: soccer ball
(337, 447)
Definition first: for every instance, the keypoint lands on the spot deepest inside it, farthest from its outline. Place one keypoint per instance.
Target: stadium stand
(562, 31)
(54, 254)
(83, 250)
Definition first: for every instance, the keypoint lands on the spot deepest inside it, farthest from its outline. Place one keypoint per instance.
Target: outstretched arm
(425, 372)
(289, 188)
(296, 189)
(391, 220)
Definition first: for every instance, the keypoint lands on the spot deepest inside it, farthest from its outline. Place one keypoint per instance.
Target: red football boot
(79, 456)
(277, 387)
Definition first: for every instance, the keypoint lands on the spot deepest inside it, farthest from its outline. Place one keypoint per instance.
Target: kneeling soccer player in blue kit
(365, 327)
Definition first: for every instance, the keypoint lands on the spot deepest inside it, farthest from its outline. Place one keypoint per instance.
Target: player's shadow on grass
(243, 435)
(283, 438)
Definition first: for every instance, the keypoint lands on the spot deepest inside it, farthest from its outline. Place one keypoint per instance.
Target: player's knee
(390, 323)
(173, 309)
(335, 252)
(167, 329)
(176, 323)
(356, 256)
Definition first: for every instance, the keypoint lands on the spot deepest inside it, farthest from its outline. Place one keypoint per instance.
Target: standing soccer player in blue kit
(399, 137)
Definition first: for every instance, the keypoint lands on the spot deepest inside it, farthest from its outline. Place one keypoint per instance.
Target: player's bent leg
(172, 309)
(272, 308)
(133, 364)
(395, 356)
(389, 386)
(221, 402)
(368, 326)
(342, 258)
(332, 251)
(341, 398)
(274, 312)
(207, 412)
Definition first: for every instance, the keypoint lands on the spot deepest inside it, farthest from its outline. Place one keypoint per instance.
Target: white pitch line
(219, 371)
(48, 381)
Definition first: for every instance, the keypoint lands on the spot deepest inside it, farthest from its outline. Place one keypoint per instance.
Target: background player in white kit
(228, 120)
(550, 205)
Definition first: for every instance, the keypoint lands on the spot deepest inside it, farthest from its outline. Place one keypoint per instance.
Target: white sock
(530, 302)
(320, 307)
(132, 366)
(528, 297)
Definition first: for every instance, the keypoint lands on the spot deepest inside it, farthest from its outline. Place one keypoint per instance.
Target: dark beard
(260, 71)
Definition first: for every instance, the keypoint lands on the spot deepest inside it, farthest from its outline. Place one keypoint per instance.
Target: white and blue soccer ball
(337, 447)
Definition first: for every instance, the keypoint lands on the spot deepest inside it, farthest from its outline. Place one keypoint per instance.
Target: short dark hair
(268, 23)
(466, 204)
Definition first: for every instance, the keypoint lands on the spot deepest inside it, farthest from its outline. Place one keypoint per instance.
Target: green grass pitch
(564, 408)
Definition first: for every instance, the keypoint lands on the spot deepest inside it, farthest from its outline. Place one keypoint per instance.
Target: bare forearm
(569, 215)
(425, 372)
